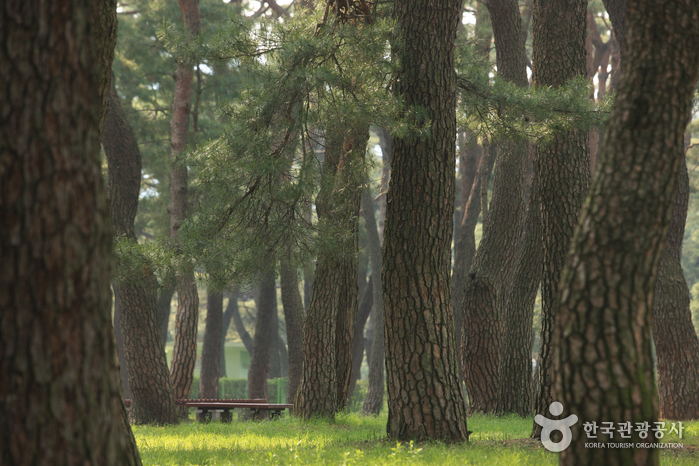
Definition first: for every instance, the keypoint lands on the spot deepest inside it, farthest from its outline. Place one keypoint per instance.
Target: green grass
(353, 439)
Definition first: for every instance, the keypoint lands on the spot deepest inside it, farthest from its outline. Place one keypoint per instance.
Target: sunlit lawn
(354, 439)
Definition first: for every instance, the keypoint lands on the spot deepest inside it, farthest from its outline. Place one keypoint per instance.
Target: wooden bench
(205, 407)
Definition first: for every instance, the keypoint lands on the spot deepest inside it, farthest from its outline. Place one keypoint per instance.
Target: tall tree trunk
(488, 280)
(330, 321)
(262, 341)
(374, 397)
(676, 343)
(354, 148)
(293, 315)
(424, 394)
(465, 248)
(563, 165)
(514, 393)
(59, 384)
(359, 343)
(184, 352)
(465, 241)
(211, 349)
(149, 379)
(603, 332)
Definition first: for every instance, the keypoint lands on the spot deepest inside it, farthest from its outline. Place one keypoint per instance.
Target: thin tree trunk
(488, 280)
(59, 384)
(563, 165)
(275, 363)
(424, 394)
(358, 344)
(149, 379)
(676, 343)
(211, 349)
(294, 316)
(386, 144)
(262, 342)
(240, 328)
(227, 317)
(374, 397)
(603, 353)
(184, 353)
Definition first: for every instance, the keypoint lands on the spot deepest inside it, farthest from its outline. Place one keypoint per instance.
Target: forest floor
(354, 439)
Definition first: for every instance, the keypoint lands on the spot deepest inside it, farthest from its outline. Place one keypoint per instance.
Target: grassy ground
(353, 439)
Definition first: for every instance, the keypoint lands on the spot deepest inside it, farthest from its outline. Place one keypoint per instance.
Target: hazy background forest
(298, 189)
(143, 69)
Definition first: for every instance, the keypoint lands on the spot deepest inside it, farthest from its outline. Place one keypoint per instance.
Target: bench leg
(226, 416)
(203, 415)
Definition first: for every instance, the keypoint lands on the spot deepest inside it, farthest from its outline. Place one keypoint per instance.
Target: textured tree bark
(135, 300)
(603, 359)
(59, 383)
(184, 352)
(262, 341)
(563, 166)
(309, 274)
(424, 394)
(465, 242)
(123, 372)
(332, 309)
(465, 248)
(293, 315)
(211, 349)
(487, 282)
(514, 394)
(676, 343)
(354, 147)
(374, 397)
(318, 390)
